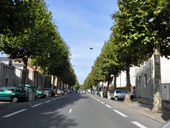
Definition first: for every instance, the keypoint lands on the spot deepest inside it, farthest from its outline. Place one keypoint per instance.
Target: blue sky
(83, 24)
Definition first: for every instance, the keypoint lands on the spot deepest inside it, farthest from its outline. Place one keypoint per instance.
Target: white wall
(121, 80)
(165, 70)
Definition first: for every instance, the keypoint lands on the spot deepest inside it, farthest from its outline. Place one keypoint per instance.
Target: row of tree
(140, 30)
(28, 33)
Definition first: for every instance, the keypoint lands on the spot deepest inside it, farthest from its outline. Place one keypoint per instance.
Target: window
(138, 80)
(145, 80)
(6, 82)
(10, 89)
(118, 91)
(2, 89)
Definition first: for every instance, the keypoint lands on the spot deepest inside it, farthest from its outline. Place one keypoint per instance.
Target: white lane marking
(36, 105)
(54, 99)
(14, 113)
(101, 102)
(98, 100)
(108, 106)
(47, 101)
(120, 113)
(138, 124)
(70, 111)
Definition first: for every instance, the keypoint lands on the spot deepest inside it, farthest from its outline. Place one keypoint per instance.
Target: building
(145, 79)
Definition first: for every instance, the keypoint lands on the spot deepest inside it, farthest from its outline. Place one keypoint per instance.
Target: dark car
(12, 93)
(49, 92)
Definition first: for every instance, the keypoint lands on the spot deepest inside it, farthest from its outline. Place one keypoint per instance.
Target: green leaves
(28, 30)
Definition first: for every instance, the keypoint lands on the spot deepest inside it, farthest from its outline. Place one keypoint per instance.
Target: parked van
(12, 93)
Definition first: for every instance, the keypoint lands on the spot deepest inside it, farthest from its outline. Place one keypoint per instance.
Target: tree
(148, 27)
(24, 38)
(76, 86)
(124, 31)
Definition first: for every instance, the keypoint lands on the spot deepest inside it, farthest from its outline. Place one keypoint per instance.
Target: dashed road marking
(120, 113)
(70, 111)
(108, 106)
(47, 101)
(101, 102)
(36, 105)
(138, 124)
(14, 113)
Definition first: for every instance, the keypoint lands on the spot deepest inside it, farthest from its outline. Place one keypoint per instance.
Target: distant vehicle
(96, 92)
(120, 94)
(12, 93)
(83, 91)
(49, 92)
(60, 92)
(103, 93)
(89, 91)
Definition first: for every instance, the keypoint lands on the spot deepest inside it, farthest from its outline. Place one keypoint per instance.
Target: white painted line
(47, 101)
(108, 106)
(54, 99)
(14, 113)
(70, 111)
(138, 124)
(101, 102)
(120, 113)
(36, 105)
(98, 100)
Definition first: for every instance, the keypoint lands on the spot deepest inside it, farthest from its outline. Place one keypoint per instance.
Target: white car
(120, 94)
(60, 92)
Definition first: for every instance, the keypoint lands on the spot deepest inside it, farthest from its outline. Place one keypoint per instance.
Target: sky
(83, 24)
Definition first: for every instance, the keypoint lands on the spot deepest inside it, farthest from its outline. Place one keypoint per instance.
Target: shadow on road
(49, 115)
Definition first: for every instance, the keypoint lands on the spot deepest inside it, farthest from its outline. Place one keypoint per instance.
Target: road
(73, 111)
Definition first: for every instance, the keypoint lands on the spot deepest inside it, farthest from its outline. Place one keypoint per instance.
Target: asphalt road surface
(74, 111)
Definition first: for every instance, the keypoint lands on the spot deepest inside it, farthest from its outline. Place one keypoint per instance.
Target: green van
(12, 93)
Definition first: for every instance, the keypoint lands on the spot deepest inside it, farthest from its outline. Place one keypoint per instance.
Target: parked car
(49, 92)
(39, 93)
(120, 94)
(60, 92)
(12, 93)
(103, 93)
(96, 92)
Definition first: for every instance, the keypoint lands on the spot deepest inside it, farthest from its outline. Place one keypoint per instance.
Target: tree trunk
(43, 81)
(24, 72)
(115, 82)
(107, 89)
(127, 96)
(157, 99)
(52, 87)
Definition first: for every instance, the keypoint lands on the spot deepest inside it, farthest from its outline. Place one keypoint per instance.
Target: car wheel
(39, 96)
(49, 94)
(131, 97)
(15, 99)
(116, 98)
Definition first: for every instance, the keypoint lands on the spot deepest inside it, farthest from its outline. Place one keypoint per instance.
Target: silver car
(120, 94)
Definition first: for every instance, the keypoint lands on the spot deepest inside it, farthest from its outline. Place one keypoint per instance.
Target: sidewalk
(144, 106)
